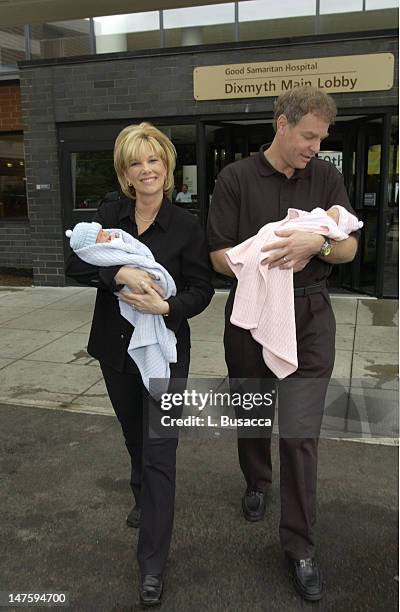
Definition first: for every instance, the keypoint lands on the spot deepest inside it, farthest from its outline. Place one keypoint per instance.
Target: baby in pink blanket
(344, 220)
(264, 298)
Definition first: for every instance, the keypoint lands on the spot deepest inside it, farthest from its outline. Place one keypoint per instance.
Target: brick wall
(131, 88)
(10, 108)
(15, 244)
(162, 85)
(42, 167)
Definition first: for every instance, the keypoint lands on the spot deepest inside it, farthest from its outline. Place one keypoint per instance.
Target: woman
(144, 160)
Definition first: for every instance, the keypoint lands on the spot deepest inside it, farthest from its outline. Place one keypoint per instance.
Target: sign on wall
(346, 73)
(335, 157)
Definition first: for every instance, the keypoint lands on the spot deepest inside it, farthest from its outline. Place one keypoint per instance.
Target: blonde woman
(144, 160)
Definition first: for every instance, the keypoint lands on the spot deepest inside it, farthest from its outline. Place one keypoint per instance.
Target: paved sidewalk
(64, 473)
(43, 359)
(66, 495)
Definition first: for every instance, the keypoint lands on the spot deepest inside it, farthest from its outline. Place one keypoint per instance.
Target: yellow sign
(346, 73)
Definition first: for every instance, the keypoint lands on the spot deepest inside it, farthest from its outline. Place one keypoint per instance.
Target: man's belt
(302, 291)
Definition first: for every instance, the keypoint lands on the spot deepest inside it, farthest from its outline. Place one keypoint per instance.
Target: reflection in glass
(262, 20)
(370, 205)
(256, 10)
(391, 261)
(184, 140)
(93, 176)
(127, 32)
(12, 48)
(199, 25)
(353, 20)
(60, 39)
(340, 6)
(381, 4)
(368, 271)
(13, 202)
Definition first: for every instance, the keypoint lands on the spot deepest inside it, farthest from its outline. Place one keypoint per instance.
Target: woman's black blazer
(178, 243)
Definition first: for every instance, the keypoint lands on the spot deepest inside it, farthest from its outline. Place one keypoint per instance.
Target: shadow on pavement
(66, 495)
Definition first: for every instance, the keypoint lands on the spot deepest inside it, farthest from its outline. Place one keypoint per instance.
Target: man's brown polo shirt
(250, 193)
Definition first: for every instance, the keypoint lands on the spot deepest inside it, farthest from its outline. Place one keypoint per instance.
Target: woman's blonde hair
(132, 143)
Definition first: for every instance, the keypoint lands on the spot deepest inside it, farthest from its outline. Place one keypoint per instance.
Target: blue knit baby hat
(83, 235)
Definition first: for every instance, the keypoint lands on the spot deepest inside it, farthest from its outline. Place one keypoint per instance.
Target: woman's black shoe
(133, 518)
(151, 590)
(253, 505)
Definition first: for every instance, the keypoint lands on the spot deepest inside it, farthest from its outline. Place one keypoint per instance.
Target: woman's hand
(136, 279)
(148, 302)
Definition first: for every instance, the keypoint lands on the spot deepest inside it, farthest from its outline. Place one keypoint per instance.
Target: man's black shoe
(133, 518)
(151, 590)
(253, 504)
(307, 578)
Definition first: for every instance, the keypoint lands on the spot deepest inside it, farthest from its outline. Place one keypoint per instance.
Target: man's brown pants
(301, 399)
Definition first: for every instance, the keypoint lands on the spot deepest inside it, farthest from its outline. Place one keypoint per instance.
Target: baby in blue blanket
(86, 234)
(152, 346)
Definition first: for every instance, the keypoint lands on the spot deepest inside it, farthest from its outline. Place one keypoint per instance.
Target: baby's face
(333, 213)
(104, 236)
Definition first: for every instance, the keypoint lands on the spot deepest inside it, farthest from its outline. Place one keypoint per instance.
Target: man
(249, 194)
(184, 196)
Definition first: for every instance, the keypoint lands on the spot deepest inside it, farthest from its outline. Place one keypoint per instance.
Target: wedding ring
(285, 258)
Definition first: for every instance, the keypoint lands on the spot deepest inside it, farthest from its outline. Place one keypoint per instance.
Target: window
(391, 261)
(262, 20)
(340, 6)
(13, 201)
(199, 25)
(12, 48)
(93, 176)
(127, 32)
(256, 10)
(349, 16)
(60, 39)
(184, 139)
(381, 4)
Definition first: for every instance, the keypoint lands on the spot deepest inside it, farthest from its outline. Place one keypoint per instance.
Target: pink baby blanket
(264, 299)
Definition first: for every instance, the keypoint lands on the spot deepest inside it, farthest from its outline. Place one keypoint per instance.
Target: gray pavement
(64, 471)
(44, 363)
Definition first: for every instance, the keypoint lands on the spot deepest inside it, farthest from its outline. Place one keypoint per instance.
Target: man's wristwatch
(326, 248)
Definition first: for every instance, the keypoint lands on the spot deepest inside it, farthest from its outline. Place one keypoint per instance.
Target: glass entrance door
(363, 176)
(364, 149)
(229, 141)
(224, 143)
(390, 276)
(368, 202)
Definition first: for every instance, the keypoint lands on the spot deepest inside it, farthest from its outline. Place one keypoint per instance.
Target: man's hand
(148, 302)
(136, 279)
(300, 265)
(219, 262)
(295, 250)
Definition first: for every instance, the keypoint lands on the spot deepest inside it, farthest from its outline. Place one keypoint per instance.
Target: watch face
(326, 249)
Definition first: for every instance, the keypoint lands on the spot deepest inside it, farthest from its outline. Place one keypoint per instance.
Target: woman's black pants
(153, 465)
